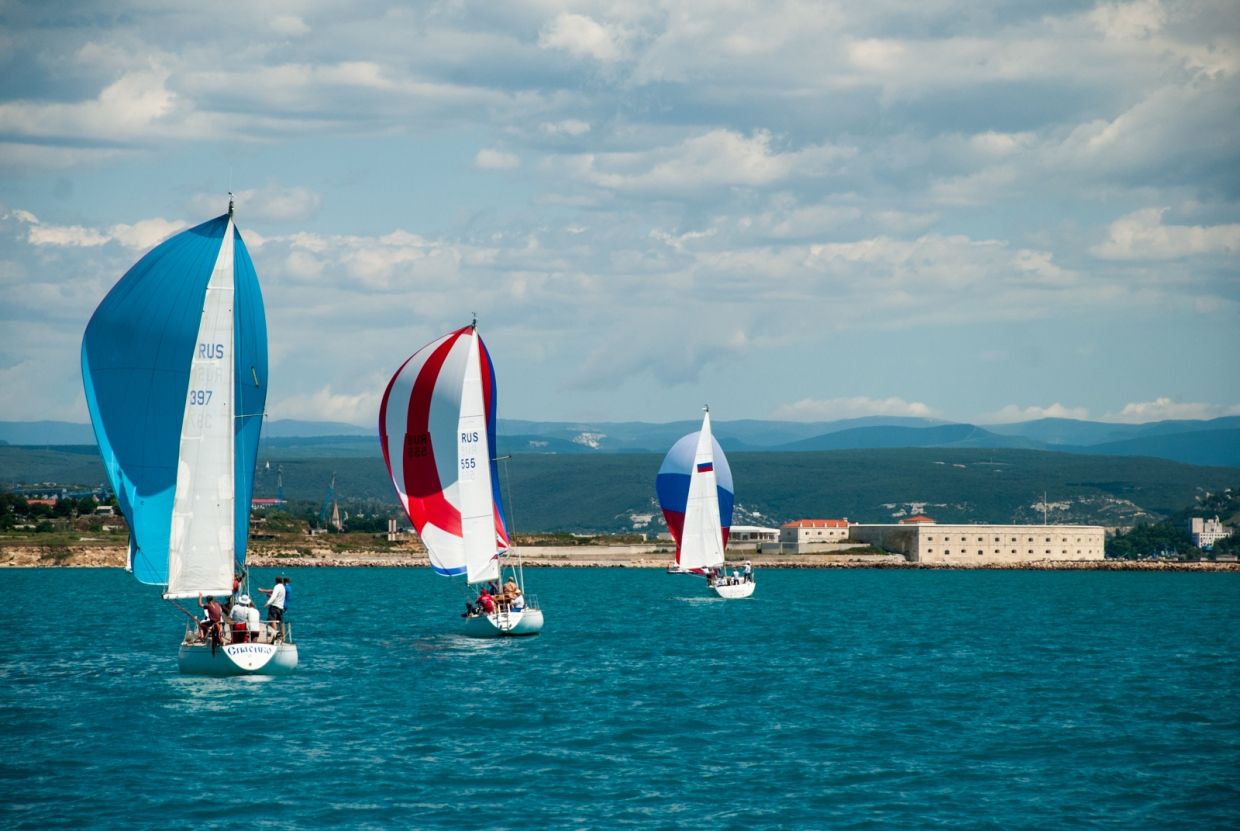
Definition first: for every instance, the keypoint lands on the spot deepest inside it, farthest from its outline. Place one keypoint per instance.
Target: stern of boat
(270, 652)
(507, 623)
(733, 591)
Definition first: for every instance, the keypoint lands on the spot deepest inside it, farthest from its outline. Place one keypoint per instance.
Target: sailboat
(437, 430)
(694, 485)
(174, 365)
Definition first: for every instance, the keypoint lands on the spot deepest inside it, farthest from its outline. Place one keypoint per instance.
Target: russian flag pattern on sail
(703, 467)
(418, 434)
(672, 485)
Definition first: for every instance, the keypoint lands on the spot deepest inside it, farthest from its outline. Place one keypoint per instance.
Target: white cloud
(288, 24)
(1129, 21)
(1143, 236)
(717, 158)
(491, 159)
(1014, 413)
(582, 37)
(567, 127)
(273, 202)
(138, 104)
(830, 409)
(324, 404)
(145, 234)
(72, 236)
(1162, 409)
(140, 236)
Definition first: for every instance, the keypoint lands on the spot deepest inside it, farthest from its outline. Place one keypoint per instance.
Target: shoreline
(88, 556)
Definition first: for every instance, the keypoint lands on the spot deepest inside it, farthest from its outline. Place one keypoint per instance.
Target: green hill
(615, 492)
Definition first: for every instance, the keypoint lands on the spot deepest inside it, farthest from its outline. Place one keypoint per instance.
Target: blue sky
(974, 212)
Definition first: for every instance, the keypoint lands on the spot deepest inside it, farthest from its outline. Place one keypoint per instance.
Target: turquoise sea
(832, 699)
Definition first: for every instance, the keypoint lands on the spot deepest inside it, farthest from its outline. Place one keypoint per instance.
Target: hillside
(615, 492)
(1198, 442)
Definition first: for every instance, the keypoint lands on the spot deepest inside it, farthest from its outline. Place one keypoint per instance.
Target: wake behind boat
(437, 429)
(694, 485)
(174, 365)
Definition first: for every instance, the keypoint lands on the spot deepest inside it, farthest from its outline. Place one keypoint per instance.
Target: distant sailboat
(174, 364)
(437, 430)
(694, 485)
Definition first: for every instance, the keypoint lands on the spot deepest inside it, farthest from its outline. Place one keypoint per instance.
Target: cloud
(140, 236)
(490, 159)
(272, 202)
(1014, 413)
(324, 404)
(73, 236)
(1162, 409)
(1143, 236)
(831, 409)
(568, 127)
(582, 37)
(138, 105)
(713, 159)
(288, 24)
(145, 234)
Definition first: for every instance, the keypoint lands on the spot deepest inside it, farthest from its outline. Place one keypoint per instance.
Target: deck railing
(269, 631)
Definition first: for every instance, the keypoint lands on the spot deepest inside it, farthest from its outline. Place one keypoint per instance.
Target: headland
(91, 554)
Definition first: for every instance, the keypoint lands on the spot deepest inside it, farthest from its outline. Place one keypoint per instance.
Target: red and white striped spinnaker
(437, 429)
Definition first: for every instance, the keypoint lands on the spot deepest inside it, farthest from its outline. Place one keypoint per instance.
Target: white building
(808, 531)
(751, 536)
(1206, 532)
(928, 542)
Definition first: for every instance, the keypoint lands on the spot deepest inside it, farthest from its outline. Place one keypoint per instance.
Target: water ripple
(834, 699)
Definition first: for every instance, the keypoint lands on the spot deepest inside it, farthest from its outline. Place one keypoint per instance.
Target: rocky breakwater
(85, 554)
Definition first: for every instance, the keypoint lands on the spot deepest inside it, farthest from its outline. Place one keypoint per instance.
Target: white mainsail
(701, 544)
(202, 542)
(474, 460)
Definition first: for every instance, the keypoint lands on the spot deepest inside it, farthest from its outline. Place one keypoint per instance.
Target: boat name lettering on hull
(250, 656)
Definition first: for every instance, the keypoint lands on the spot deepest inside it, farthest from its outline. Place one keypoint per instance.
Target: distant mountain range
(1199, 442)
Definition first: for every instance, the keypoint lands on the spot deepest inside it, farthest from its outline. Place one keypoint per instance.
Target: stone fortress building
(920, 539)
(930, 542)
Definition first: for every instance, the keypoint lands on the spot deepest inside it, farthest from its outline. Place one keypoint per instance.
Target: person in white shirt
(245, 619)
(275, 601)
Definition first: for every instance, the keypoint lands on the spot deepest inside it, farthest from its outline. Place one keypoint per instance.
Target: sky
(983, 212)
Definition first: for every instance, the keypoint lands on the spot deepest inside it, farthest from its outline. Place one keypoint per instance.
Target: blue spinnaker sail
(136, 357)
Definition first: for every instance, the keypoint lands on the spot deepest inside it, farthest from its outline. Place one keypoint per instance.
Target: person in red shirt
(211, 625)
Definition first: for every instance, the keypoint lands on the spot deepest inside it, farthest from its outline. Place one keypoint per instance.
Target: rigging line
(190, 614)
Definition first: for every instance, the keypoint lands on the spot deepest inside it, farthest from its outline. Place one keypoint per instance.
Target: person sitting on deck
(486, 601)
(209, 626)
(511, 590)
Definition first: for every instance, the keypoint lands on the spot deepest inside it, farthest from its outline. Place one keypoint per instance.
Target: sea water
(831, 699)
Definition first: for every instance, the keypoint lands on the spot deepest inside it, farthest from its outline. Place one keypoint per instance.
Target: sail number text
(469, 444)
(211, 351)
(417, 444)
(200, 397)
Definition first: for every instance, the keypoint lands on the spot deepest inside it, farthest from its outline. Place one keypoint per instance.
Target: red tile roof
(912, 520)
(816, 523)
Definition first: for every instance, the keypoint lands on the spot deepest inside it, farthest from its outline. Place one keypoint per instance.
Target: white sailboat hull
(732, 592)
(505, 624)
(238, 659)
